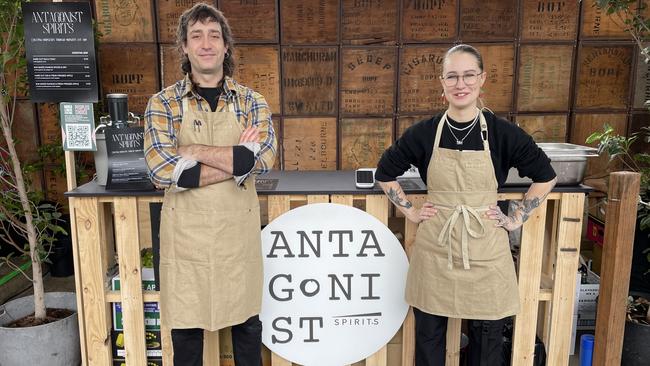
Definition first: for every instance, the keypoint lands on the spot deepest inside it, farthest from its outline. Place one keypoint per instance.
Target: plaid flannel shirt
(163, 118)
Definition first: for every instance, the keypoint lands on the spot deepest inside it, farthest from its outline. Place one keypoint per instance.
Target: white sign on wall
(334, 280)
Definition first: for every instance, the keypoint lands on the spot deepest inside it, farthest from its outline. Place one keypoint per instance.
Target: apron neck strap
(441, 124)
(484, 131)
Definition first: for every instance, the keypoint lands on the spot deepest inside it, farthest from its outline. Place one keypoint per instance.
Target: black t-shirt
(510, 147)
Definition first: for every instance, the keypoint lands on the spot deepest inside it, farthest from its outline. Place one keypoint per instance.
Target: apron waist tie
(444, 238)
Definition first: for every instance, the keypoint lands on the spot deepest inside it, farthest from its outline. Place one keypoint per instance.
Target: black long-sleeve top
(510, 147)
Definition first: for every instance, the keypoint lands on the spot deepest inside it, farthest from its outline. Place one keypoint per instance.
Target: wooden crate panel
(544, 82)
(125, 20)
(427, 21)
(55, 185)
(600, 66)
(48, 123)
(642, 83)
(368, 81)
(549, 20)
(309, 21)
(596, 23)
(309, 80)
(404, 122)
(279, 133)
(369, 22)
(586, 124)
(420, 89)
(363, 140)
(498, 62)
(251, 20)
(130, 69)
(170, 65)
(310, 143)
(168, 14)
(258, 67)
(25, 132)
(637, 121)
(549, 128)
(484, 20)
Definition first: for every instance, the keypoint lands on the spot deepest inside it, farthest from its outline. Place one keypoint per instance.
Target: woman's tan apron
(210, 242)
(461, 266)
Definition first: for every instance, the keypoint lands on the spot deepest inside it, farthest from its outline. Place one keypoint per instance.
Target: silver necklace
(459, 142)
(469, 125)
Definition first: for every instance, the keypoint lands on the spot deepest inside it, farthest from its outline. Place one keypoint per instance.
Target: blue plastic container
(586, 349)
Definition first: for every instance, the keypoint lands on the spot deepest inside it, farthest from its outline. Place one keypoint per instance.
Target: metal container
(568, 160)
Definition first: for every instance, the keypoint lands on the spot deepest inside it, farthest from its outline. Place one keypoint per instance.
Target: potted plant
(33, 330)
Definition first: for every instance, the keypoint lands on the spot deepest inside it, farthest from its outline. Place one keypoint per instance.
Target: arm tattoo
(527, 206)
(393, 196)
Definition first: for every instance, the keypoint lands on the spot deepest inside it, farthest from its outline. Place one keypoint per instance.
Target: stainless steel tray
(568, 160)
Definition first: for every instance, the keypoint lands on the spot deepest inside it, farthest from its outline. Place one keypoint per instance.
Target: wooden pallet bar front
(546, 267)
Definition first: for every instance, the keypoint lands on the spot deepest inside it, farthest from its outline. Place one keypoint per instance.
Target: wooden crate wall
(362, 71)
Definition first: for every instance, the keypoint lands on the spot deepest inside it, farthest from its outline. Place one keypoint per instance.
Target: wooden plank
(615, 272)
(377, 206)
(309, 21)
(429, 21)
(131, 69)
(369, 22)
(499, 63)
(309, 143)
(128, 250)
(363, 141)
(278, 205)
(48, 123)
(483, 20)
(453, 341)
(95, 308)
(342, 199)
(147, 296)
(596, 23)
(404, 122)
(78, 282)
(420, 87)
(252, 21)
(211, 348)
(549, 20)
(584, 125)
(544, 128)
(166, 340)
(258, 67)
(544, 82)
(379, 358)
(317, 198)
(566, 266)
(170, 65)
(368, 81)
(642, 83)
(309, 80)
(604, 65)
(167, 16)
(530, 270)
(279, 361)
(125, 21)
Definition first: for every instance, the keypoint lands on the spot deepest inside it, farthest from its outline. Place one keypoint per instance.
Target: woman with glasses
(461, 266)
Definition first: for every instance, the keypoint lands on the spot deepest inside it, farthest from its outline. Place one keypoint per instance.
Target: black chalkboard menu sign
(60, 52)
(127, 169)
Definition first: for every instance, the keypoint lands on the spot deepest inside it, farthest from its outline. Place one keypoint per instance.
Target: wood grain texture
(252, 21)
(369, 22)
(167, 16)
(420, 87)
(125, 20)
(309, 21)
(363, 141)
(310, 82)
(310, 143)
(584, 125)
(499, 64)
(368, 81)
(488, 19)
(258, 67)
(544, 128)
(170, 65)
(596, 23)
(549, 20)
(428, 21)
(544, 80)
(603, 65)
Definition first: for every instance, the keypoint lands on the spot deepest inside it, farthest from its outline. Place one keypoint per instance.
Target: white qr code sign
(77, 126)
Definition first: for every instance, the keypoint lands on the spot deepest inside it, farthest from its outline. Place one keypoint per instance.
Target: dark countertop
(306, 182)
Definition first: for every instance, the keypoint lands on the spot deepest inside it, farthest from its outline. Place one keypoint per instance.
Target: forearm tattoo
(526, 206)
(394, 196)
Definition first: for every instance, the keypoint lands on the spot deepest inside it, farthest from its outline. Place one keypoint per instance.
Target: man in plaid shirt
(206, 137)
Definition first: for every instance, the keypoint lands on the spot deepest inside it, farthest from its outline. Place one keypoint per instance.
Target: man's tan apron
(210, 243)
(461, 266)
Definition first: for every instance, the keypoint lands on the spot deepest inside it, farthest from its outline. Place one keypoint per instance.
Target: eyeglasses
(468, 79)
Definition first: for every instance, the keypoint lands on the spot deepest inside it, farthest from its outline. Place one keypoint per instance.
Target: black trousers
(485, 341)
(246, 344)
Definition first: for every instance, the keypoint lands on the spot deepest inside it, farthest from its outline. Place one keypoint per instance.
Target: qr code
(78, 136)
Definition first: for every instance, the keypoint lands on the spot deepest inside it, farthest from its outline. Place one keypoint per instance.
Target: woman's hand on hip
(426, 212)
(506, 222)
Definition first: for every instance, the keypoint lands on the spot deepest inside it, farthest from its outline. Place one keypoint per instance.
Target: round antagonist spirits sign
(334, 280)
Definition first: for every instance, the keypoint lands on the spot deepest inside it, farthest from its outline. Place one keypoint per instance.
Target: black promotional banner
(127, 169)
(60, 51)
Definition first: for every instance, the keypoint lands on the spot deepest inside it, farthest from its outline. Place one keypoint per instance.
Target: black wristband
(191, 177)
(242, 160)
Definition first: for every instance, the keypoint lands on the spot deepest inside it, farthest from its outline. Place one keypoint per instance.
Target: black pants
(246, 344)
(485, 341)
